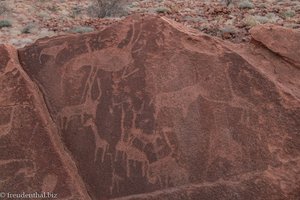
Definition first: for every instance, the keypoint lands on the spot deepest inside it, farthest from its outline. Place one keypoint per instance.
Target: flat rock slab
(150, 110)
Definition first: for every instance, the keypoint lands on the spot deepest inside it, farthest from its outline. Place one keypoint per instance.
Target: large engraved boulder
(147, 109)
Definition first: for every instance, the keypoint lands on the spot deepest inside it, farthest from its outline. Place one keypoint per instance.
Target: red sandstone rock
(32, 157)
(151, 110)
(280, 40)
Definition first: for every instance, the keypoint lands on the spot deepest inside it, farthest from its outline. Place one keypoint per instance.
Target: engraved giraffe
(131, 153)
(89, 105)
(138, 133)
(116, 179)
(99, 142)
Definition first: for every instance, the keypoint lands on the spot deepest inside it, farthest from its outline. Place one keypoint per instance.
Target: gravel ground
(24, 21)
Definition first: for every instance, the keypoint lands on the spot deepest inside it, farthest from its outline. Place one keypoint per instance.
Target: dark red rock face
(280, 40)
(30, 159)
(145, 106)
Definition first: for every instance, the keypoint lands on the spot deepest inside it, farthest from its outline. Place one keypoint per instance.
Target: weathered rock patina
(150, 110)
(32, 157)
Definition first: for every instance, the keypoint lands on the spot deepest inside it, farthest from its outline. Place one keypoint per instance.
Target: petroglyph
(30, 145)
(52, 51)
(127, 151)
(104, 60)
(146, 106)
(116, 182)
(99, 142)
(132, 154)
(178, 99)
(88, 107)
(6, 128)
(166, 171)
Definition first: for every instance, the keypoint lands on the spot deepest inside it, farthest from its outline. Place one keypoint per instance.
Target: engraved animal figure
(138, 133)
(116, 179)
(167, 171)
(5, 129)
(134, 155)
(89, 105)
(99, 142)
(52, 51)
(129, 152)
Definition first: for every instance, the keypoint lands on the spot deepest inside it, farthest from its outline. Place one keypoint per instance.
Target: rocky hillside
(24, 21)
(150, 109)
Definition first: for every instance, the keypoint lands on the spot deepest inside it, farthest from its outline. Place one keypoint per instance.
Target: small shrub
(5, 23)
(163, 10)
(227, 2)
(250, 21)
(228, 29)
(107, 8)
(288, 14)
(82, 29)
(76, 11)
(20, 42)
(27, 29)
(273, 18)
(246, 5)
(262, 19)
(263, 5)
(53, 8)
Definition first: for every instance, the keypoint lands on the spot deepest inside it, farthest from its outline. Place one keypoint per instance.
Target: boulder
(282, 41)
(148, 109)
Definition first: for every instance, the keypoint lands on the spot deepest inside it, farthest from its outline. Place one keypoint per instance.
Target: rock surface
(280, 40)
(32, 158)
(150, 110)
